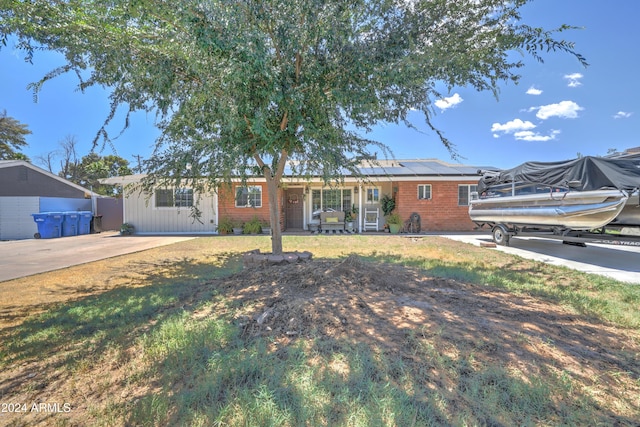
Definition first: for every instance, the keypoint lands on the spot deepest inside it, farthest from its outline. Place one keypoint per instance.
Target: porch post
(360, 208)
(305, 200)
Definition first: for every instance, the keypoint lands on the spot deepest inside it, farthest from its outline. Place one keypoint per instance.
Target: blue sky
(558, 109)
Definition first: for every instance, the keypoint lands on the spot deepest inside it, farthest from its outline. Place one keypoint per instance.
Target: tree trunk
(274, 215)
(273, 184)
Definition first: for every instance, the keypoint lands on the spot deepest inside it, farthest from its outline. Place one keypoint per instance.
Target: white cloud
(622, 115)
(574, 79)
(449, 102)
(563, 109)
(522, 131)
(533, 91)
(514, 125)
(528, 135)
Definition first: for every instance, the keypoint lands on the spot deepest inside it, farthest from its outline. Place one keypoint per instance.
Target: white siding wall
(141, 212)
(16, 221)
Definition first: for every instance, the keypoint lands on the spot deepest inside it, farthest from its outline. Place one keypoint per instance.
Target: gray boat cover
(583, 174)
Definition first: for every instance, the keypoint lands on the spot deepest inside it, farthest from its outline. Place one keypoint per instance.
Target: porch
(304, 207)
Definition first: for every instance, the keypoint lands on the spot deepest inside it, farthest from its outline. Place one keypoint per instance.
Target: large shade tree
(12, 138)
(244, 87)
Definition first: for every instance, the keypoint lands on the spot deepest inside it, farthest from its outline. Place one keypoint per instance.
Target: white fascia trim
(427, 178)
(372, 181)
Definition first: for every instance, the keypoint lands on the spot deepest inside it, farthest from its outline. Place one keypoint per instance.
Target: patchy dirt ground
(383, 304)
(387, 305)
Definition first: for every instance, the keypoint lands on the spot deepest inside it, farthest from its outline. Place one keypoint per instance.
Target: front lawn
(376, 330)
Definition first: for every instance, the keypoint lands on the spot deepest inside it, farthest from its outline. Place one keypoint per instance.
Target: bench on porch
(331, 221)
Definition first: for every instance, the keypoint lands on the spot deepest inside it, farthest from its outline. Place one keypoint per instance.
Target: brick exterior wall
(441, 212)
(227, 205)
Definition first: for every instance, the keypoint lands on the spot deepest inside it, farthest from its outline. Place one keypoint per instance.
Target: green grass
(199, 369)
(228, 381)
(211, 376)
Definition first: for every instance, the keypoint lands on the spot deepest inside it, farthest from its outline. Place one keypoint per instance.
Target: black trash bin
(96, 224)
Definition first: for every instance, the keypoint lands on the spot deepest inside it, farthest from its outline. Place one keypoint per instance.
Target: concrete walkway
(618, 262)
(20, 258)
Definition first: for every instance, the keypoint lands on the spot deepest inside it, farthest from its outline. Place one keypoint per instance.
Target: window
(178, 198)
(424, 192)
(331, 199)
(373, 195)
(183, 198)
(316, 203)
(249, 197)
(164, 198)
(335, 199)
(464, 193)
(346, 200)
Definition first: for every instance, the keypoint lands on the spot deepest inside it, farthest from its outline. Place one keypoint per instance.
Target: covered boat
(581, 194)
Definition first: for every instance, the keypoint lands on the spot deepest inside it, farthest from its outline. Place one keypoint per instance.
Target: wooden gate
(111, 211)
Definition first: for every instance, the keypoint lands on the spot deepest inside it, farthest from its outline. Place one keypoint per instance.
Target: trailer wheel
(500, 236)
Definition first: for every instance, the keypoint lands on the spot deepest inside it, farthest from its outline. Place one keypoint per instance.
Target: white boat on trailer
(577, 210)
(576, 201)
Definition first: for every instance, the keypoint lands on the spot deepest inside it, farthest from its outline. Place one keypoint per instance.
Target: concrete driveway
(22, 258)
(27, 257)
(618, 262)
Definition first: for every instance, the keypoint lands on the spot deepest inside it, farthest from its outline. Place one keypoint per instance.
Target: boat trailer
(502, 234)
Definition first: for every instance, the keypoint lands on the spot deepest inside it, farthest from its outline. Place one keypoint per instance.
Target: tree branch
(285, 121)
(284, 156)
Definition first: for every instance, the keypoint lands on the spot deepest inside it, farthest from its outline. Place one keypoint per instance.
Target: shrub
(388, 204)
(127, 228)
(225, 226)
(394, 219)
(254, 226)
(351, 214)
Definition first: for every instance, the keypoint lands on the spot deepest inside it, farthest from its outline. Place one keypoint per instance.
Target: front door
(293, 208)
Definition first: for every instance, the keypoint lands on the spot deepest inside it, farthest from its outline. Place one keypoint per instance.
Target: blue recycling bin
(70, 224)
(49, 224)
(84, 222)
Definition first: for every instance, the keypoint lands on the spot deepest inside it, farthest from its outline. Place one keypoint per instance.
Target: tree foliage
(243, 87)
(88, 170)
(94, 167)
(12, 138)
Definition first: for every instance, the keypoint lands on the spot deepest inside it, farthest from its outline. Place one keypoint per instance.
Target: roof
(123, 180)
(381, 168)
(418, 167)
(17, 163)
(629, 153)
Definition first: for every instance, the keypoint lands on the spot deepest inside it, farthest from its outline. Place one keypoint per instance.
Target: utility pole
(138, 169)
